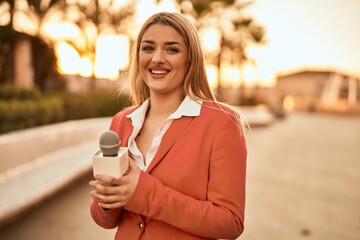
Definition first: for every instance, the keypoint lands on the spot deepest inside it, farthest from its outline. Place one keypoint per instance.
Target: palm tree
(104, 19)
(101, 17)
(236, 30)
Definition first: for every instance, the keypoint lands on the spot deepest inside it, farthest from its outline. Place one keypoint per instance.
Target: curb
(28, 184)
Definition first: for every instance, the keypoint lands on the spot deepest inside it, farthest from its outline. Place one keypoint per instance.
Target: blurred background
(291, 68)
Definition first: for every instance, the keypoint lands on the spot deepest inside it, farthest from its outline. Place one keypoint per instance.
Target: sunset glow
(230, 75)
(86, 66)
(212, 75)
(112, 56)
(25, 23)
(288, 103)
(146, 8)
(297, 38)
(210, 39)
(4, 13)
(250, 75)
(61, 31)
(299, 42)
(68, 59)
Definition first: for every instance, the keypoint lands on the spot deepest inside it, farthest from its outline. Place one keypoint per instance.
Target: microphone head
(109, 143)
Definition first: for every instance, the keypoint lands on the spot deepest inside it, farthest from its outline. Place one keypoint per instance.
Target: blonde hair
(195, 84)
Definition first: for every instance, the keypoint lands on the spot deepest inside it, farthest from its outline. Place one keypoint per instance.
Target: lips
(159, 70)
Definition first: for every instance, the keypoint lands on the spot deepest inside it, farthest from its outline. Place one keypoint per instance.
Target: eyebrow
(166, 43)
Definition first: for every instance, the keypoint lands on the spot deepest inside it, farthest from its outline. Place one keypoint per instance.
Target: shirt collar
(188, 107)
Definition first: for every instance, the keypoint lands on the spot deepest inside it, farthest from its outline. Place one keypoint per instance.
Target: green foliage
(10, 92)
(94, 105)
(18, 114)
(109, 105)
(22, 108)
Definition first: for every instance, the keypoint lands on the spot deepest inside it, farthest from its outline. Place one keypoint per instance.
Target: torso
(147, 133)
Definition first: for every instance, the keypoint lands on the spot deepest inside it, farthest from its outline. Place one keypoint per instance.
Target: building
(321, 91)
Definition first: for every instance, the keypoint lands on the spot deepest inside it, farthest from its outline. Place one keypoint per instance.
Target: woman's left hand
(113, 192)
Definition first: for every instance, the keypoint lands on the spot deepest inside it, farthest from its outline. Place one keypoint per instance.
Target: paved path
(50, 157)
(303, 180)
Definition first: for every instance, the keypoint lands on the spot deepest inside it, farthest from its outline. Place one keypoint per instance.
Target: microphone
(111, 159)
(109, 144)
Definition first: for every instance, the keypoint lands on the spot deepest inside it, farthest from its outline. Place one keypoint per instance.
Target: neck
(164, 106)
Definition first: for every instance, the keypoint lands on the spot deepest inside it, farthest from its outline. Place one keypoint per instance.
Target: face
(163, 60)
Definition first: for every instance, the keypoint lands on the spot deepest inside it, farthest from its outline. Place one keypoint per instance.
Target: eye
(172, 50)
(147, 48)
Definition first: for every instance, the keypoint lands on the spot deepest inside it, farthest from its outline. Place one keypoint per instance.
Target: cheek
(143, 61)
(183, 68)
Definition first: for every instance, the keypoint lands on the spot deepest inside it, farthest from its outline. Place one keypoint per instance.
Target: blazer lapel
(126, 136)
(168, 140)
(124, 132)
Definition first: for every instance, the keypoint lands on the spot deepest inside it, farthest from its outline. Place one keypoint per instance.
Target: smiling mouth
(159, 72)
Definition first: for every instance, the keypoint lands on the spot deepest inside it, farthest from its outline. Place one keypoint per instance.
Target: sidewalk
(61, 153)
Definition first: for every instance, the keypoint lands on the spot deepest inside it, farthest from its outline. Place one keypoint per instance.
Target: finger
(106, 180)
(95, 184)
(94, 194)
(92, 183)
(103, 197)
(112, 198)
(110, 190)
(109, 201)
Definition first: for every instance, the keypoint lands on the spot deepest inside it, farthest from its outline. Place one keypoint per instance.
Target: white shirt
(188, 107)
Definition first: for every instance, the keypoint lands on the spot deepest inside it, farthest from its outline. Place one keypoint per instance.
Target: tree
(102, 17)
(93, 19)
(236, 30)
(10, 40)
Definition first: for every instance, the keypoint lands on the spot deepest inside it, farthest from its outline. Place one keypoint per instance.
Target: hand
(113, 192)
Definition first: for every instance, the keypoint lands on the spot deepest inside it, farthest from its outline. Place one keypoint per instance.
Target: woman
(188, 153)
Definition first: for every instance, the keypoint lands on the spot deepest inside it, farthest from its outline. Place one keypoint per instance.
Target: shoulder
(120, 118)
(221, 115)
(219, 110)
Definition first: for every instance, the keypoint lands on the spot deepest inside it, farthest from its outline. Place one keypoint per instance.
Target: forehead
(162, 33)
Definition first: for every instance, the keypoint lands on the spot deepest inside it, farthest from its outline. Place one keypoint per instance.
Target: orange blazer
(195, 186)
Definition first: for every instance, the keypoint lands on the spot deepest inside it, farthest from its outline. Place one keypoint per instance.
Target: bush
(20, 114)
(94, 105)
(78, 107)
(109, 105)
(8, 92)
(22, 108)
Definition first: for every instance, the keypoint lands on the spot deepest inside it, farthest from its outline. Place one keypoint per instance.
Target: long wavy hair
(195, 84)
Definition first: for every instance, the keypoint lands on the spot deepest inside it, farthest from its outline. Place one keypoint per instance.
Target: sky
(302, 34)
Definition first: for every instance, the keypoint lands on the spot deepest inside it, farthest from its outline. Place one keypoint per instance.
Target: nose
(158, 57)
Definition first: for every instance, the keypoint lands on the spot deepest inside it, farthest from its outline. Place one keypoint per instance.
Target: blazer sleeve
(105, 218)
(221, 215)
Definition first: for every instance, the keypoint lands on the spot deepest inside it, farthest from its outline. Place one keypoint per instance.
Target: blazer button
(141, 225)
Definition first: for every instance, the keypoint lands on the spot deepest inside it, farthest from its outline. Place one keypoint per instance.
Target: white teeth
(158, 72)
